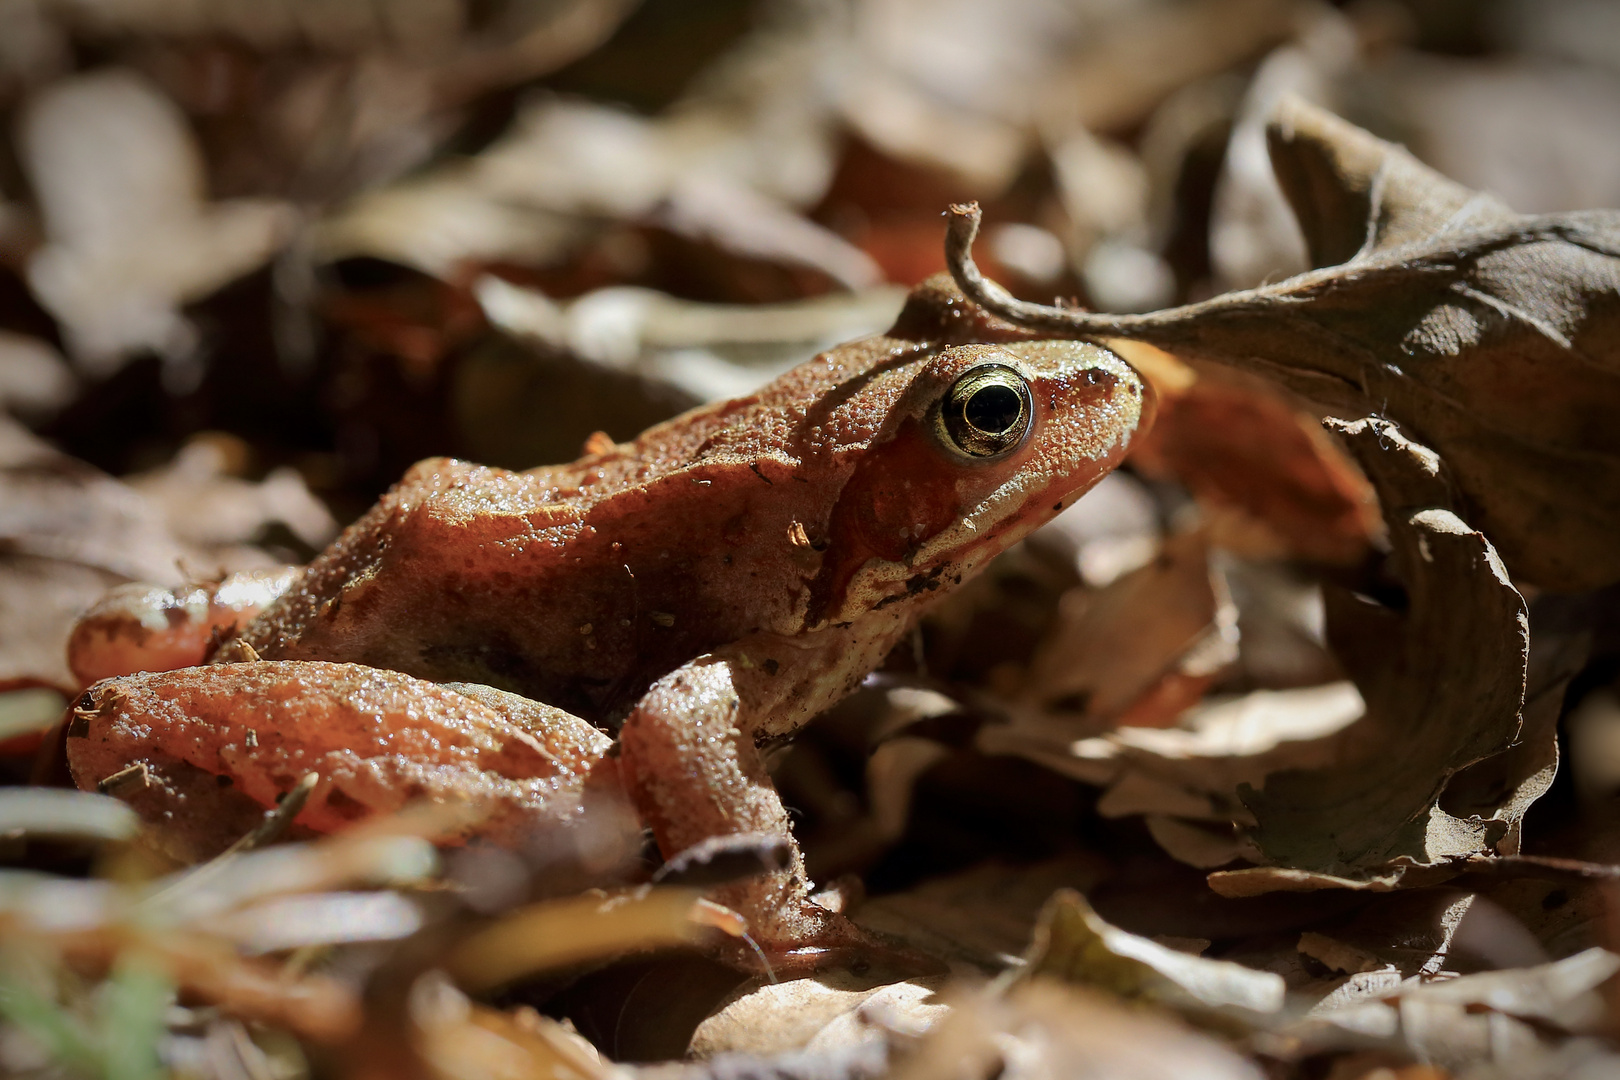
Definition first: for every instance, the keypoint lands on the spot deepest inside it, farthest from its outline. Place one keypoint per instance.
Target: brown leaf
(1185, 779)
(1442, 674)
(977, 918)
(1491, 337)
(68, 532)
(1244, 450)
(1443, 679)
(1077, 945)
(1150, 642)
(820, 1014)
(1044, 1028)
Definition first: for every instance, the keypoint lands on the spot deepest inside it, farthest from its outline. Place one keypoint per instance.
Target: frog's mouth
(940, 562)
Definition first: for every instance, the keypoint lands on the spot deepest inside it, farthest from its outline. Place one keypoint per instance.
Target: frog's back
(580, 584)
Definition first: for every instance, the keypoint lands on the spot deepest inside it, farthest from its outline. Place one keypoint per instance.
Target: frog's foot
(150, 628)
(828, 941)
(790, 934)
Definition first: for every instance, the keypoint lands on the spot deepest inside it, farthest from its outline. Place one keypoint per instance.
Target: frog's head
(981, 445)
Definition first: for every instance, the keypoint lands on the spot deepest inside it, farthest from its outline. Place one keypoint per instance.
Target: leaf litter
(1247, 765)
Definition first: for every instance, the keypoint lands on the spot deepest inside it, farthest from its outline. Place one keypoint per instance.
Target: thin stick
(276, 821)
(1423, 257)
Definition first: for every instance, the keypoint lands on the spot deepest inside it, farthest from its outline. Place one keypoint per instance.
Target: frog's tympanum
(700, 590)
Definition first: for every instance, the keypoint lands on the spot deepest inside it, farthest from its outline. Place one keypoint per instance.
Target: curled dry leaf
(34, 379)
(456, 1037)
(1044, 1028)
(1443, 679)
(833, 1011)
(709, 351)
(59, 509)
(1517, 1020)
(82, 814)
(236, 509)
(1074, 943)
(1186, 778)
(558, 933)
(234, 881)
(296, 922)
(484, 45)
(1447, 314)
(980, 919)
(528, 197)
(1417, 932)
(1562, 993)
(1448, 311)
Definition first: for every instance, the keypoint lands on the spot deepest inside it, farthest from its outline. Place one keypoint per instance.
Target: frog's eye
(986, 412)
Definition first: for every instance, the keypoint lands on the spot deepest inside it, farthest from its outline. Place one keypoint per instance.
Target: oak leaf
(1490, 336)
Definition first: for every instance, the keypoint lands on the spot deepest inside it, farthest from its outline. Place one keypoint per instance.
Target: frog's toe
(827, 941)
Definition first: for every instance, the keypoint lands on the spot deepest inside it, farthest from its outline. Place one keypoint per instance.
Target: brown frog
(706, 587)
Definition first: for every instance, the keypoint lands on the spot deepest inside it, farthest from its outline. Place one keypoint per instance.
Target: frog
(653, 616)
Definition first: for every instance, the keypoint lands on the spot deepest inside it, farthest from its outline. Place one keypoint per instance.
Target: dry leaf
(53, 507)
(1497, 1023)
(1046, 1029)
(1190, 774)
(459, 1038)
(1075, 944)
(130, 235)
(1447, 315)
(1443, 679)
(67, 533)
(1127, 68)
(979, 919)
(1147, 645)
(824, 1014)
(1244, 450)
(531, 195)
(1561, 993)
(34, 379)
(709, 351)
(560, 933)
(236, 509)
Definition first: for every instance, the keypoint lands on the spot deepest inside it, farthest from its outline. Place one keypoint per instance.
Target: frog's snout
(1095, 404)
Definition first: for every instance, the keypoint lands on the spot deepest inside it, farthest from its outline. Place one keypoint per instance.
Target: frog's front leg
(689, 759)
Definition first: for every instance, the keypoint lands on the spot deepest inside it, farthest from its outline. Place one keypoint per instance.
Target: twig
(276, 821)
(1408, 259)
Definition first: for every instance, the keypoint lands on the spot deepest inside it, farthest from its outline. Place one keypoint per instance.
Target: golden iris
(986, 412)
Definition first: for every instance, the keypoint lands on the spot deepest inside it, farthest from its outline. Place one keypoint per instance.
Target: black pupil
(993, 409)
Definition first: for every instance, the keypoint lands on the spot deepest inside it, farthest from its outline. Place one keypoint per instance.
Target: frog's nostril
(1099, 377)
(994, 408)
